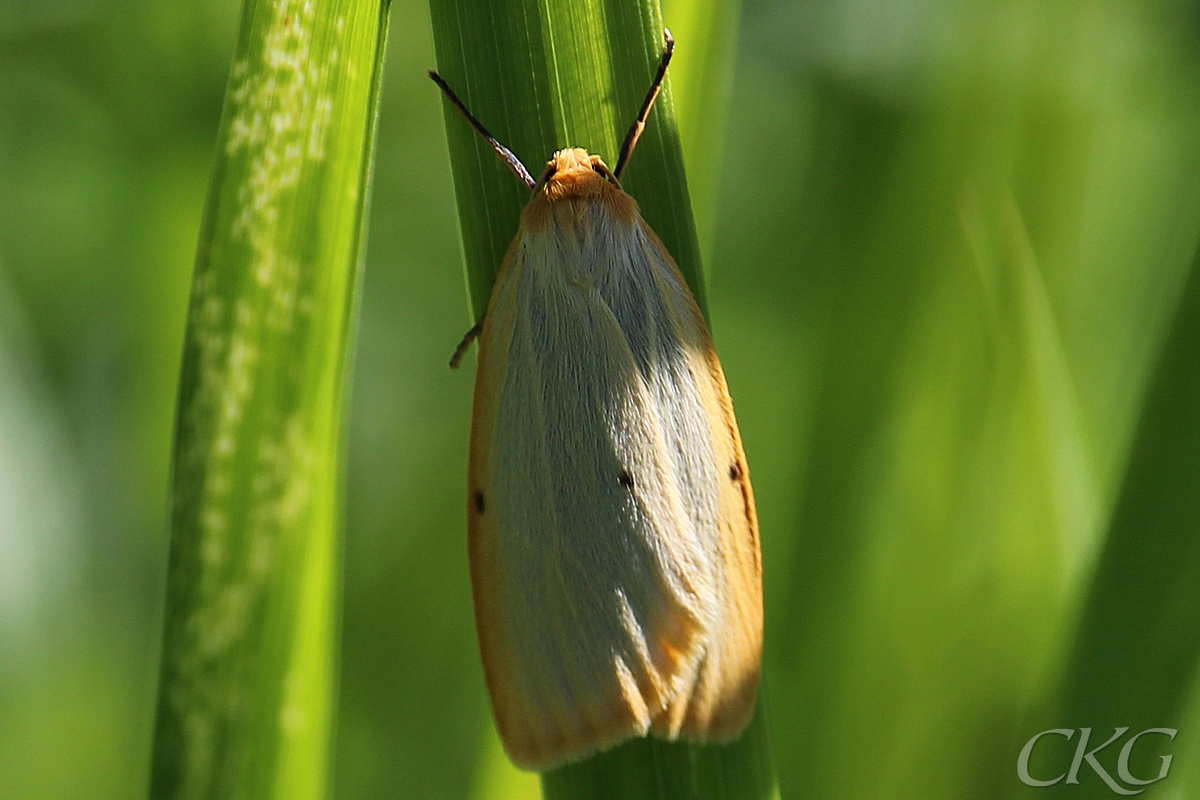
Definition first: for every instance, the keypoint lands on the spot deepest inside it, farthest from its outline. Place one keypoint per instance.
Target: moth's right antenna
(509, 157)
(639, 124)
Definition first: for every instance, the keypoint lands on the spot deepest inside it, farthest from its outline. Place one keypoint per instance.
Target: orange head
(567, 193)
(573, 173)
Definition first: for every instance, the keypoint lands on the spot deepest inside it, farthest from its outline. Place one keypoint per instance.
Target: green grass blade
(248, 674)
(542, 76)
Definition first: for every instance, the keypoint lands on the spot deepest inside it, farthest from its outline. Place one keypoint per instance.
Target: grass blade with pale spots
(246, 697)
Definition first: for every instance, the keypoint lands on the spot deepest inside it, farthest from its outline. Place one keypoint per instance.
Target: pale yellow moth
(613, 538)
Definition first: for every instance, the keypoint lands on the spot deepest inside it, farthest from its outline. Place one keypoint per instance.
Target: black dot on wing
(479, 502)
(735, 471)
(626, 479)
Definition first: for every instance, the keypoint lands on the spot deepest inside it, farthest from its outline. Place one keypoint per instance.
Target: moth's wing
(591, 603)
(712, 477)
(614, 557)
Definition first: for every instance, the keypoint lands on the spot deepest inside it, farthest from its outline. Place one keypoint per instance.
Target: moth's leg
(461, 350)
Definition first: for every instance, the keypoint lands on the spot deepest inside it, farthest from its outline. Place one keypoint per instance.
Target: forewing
(676, 354)
(614, 559)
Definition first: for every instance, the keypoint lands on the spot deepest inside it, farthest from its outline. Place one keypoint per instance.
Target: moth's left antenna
(509, 157)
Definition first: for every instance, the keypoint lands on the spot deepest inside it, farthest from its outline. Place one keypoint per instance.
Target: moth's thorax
(576, 183)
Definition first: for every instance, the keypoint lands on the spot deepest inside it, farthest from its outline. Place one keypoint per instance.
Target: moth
(613, 539)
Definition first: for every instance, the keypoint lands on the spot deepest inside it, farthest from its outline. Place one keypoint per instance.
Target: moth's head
(575, 173)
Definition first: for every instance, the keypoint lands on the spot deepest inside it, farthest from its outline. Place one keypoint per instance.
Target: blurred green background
(947, 254)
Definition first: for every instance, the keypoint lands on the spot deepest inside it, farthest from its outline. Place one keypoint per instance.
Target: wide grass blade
(543, 76)
(248, 672)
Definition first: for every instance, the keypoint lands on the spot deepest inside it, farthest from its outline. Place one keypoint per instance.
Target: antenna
(639, 125)
(509, 157)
